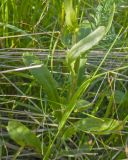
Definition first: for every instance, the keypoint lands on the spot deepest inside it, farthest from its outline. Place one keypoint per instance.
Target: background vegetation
(73, 104)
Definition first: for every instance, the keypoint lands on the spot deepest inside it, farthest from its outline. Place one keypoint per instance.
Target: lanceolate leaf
(86, 43)
(42, 75)
(23, 136)
(111, 18)
(99, 126)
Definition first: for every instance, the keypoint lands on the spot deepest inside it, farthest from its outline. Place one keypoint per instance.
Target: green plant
(73, 113)
(62, 111)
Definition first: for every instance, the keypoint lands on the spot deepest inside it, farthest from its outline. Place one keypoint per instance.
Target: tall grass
(63, 107)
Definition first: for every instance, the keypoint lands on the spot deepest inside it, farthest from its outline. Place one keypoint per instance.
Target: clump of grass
(58, 111)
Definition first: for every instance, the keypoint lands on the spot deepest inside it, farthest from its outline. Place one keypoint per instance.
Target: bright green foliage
(86, 105)
(44, 77)
(86, 43)
(73, 54)
(101, 126)
(70, 18)
(23, 136)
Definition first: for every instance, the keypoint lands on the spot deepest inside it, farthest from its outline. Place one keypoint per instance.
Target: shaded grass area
(96, 125)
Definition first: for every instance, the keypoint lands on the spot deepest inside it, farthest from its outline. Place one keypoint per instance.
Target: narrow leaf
(94, 125)
(16, 29)
(99, 125)
(42, 75)
(110, 20)
(86, 43)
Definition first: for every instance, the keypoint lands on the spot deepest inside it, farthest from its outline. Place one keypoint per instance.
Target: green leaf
(94, 125)
(23, 136)
(83, 30)
(70, 107)
(85, 44)
(98, 125)
(44, 77)
(12, 27)
(110, 20)
(70, 17)
(82, 105)
(81, 73)
(104, 14)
